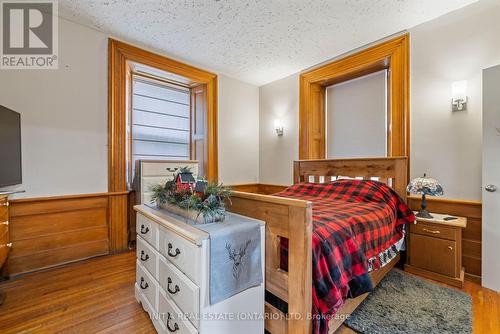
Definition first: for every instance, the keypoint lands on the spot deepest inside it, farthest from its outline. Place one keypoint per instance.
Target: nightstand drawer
(433, 254)
(434, 230)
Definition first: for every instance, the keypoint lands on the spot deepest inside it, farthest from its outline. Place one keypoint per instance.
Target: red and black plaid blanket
(353, 222)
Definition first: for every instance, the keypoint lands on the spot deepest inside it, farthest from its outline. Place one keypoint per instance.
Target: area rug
(402, 303)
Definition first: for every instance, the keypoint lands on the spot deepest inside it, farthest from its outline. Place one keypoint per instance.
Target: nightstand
(435, 249)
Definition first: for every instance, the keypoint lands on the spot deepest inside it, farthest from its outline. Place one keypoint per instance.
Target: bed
(289, 304)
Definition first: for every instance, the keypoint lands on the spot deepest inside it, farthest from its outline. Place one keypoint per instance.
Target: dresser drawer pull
(5, 223)
(143, 285)
(9, 245)
(450, 248)
(176, 288)
(177, 251)
(144, 258)
(431, 231)
(4, 204)
(144, 229)
(170, 329)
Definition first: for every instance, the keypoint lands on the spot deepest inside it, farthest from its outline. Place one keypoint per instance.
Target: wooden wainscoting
(50, 231)
(471, 236)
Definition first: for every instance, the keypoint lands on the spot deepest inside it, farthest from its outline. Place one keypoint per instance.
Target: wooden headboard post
(392, 170)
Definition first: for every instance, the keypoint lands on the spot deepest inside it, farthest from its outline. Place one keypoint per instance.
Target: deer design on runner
(237, 257)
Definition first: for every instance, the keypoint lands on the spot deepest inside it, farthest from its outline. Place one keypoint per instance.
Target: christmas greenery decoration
(210, 203)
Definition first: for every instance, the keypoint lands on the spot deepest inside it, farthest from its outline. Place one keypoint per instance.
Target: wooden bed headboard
(392, 171)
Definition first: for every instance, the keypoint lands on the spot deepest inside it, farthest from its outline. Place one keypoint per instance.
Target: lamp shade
(425, 186)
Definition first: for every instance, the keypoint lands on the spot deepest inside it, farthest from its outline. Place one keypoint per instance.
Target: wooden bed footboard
(292, 219)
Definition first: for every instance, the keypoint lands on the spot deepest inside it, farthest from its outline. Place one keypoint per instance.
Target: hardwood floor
(97, 296)
(93, 296)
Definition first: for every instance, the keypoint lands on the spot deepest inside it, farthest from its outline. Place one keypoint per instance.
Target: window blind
(160, 120)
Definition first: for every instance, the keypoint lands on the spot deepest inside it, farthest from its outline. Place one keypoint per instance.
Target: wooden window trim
(392, 55)
(120, 55)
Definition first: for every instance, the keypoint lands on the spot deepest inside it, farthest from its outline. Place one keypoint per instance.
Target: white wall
(444, 145)
(64, 120)
(238, 131)
(356, 117)
(64, 116)
(279, 100)
(448, 145)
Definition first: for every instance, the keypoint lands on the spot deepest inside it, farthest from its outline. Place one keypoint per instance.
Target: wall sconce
(278, 126)
(459, 95)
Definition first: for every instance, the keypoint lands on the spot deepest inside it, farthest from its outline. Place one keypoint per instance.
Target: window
(160, 121)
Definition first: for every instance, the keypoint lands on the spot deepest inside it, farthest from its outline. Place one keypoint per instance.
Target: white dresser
(172, 280)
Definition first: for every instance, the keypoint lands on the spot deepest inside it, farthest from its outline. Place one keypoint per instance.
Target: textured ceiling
(257, 41)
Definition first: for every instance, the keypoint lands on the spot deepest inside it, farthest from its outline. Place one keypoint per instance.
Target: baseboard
(473, 278)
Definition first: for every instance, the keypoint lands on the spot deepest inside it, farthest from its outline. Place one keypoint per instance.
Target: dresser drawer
(152, 312)
(148, 230)
(4, 247)
(173, 318)
(147, 285)
(185, 255)
(434, 230)
(433, 254)
(180, 289)
(4, 230)
(4, 227)
(147, 256)
(4, 210)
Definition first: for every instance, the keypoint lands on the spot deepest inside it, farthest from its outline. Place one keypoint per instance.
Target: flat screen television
(10, 147)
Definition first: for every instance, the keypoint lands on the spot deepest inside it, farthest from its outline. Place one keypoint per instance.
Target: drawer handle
(450, 248)
(144, 258)
(143, 285)
(144, 229)
(176, 288)
(431, 231)
(170, 329)
(4, 204)
(177, 251)
(5, 223)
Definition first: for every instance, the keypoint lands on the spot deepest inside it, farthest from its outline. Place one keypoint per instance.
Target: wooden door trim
(392, 55)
